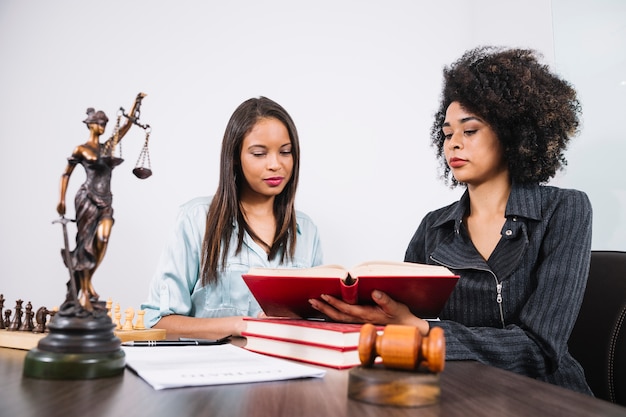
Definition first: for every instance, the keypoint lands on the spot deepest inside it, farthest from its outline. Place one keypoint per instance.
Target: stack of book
(333, 345)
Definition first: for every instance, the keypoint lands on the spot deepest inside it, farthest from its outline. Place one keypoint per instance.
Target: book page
(184, 366)
(370, 268)
(322, 271)
(386, 268)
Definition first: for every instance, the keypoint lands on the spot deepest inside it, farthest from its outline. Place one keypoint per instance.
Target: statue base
(81, 345)
(398, 388)
(49, 365)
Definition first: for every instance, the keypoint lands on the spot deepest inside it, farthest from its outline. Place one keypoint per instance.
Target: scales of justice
(81, 343)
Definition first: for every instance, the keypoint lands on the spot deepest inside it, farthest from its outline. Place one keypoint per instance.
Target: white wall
(360, 78)
(590, 51)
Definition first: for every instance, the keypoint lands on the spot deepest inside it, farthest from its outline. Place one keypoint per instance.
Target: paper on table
(184, 366)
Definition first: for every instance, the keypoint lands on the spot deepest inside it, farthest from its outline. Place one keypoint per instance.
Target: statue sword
(66, 255)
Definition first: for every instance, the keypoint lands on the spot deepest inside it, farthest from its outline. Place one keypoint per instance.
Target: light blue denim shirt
(176, 287)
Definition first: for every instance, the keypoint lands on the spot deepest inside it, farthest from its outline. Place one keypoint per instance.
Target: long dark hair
(225, 211)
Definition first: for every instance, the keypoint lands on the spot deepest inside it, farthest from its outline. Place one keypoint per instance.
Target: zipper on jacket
(499, 299)
(498, 285)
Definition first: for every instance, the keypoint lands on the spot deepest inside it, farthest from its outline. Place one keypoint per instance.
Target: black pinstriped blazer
(517, 309)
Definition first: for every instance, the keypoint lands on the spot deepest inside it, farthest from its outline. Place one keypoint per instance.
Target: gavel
(402, 347)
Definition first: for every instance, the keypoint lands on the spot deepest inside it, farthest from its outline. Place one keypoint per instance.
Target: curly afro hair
(533, 112)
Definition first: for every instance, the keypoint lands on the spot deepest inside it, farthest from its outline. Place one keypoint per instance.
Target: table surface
(467, 389)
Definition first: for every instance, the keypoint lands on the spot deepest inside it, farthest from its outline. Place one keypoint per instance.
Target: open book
(284, 292)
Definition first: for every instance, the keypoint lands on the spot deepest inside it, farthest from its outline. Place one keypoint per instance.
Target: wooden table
(467, 389)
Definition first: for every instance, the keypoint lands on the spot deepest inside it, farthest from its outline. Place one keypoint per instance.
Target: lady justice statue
(93, 201)
(81, 343)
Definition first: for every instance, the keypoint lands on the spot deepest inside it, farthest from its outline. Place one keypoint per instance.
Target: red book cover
(339, 358)
(316, 342)
(285, 292)
(313, 332)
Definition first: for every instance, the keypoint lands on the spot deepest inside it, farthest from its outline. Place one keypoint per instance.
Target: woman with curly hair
(521, 248)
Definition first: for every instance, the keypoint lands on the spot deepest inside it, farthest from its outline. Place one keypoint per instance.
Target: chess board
(19, 331)
(29, 340)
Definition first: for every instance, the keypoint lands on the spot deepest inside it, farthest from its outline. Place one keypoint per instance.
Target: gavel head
(403, 347)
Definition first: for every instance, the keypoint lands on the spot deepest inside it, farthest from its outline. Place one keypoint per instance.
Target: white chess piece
(129, 315)
(140, 324)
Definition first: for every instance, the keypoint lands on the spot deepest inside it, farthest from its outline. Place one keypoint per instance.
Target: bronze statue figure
(93, 202)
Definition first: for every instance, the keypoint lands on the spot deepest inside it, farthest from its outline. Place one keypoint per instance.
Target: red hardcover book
(284, 292)
(314, 332)
(317, 342)
(338, 358)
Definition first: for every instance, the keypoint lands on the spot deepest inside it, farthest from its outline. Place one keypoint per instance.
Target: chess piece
(27, 324)
(140, 323)
(117, 320)
(117, 316)
(40, 318)
(17, 317)
(129, 314)
(52, 313)
(109, 305)
(407, 373)
(2, 326)
(7, 318)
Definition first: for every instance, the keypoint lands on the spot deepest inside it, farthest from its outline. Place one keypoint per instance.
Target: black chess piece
(27, 324)
(2, 326)
(17, 317)
(41, 317)
(52, 314)
(7, 318)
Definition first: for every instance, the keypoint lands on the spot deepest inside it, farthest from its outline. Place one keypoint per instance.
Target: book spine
(250, 335)
(349, 292)
(304, 360)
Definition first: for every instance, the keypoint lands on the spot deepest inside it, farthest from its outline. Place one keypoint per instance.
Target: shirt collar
(524, 201)
(454, 213)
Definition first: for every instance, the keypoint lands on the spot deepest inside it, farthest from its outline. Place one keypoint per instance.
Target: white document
(185, 366)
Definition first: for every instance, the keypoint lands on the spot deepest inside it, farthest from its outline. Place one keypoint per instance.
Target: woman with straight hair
(250, 221)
